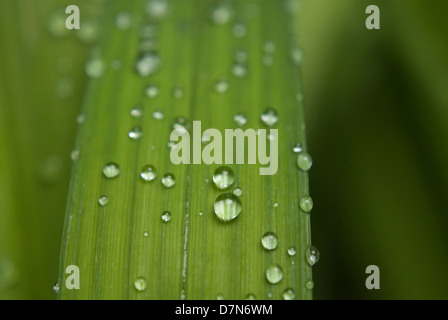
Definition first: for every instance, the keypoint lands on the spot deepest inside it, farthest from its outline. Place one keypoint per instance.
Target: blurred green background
(377, 123)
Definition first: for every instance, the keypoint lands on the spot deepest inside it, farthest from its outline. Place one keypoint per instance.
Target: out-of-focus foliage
(377, 111)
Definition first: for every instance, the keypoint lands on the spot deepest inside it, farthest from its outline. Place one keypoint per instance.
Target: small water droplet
(240, 119)
(304, 161)
(56, 287)
(50, 170)
(269, 241)
(136, 112)
(152, 90)
(288, 294)
(291, 251)
(312, 255)
(219, 297)
(201, 213)
(148, 173)
(81, 118)
(157, 8)
(297, 148)
(64, 88)
(103, 201)
(158, 115)
(269, 47)
(309, 285)
(250, 296)
(240, 56)
(123, 20)
(223, 177)
(147, 64)
(276, 205)
(306, 204)
(227, 206)
(239, 70)
(269, 117)
(135, 133)
(9, 275)
(89, 31)
(297, 56)
(95, 68)
(274, 273)
(111, 170)
(221, 86)
(178, 93)
(181, 123)
(166, 216)
(239, 30)
(168, 180)
(74, 155)
(146, 234)
(268, 60)
(140, 284)
(221, 15)
(56, 24)
(238, 192)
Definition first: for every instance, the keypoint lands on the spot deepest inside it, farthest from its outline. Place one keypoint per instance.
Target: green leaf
(192, 256)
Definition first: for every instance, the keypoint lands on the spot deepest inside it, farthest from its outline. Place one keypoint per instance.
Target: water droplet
(304, 161)
(135, 133)
(250, 296)
(274, 273)
(140, 284)
(201, 213)
(64, 88)
(168, 180)
(166, 216)
(297, 56)
(306, 204)
(219, 297)
(148, 173)
(269, 295)
(297, 148)
(239, 30)
(291, 251)
(89, 31)
(288, 294)
(111, 170)
(309, 285)
(136, 112)
(9, 275)
(123, 20)
(181, 123)
(56, 287)
(240, 119)
(56, 24)
(81, 118)
(152, 91)
(240, 56)
(146, 234)
(147, 64)
(221, 86)
(157, 8)
(268, 60)
(227, 206)
(178, 93)
(312, 255)
(95, 68)
(223, 177)
(269, 117)
(239, 70)
(238, 192)
(269, 47)
(221, 14)
(103, 201)
(171, 144)
(158, 115)
(74, 155)
(148, 31)
(269, 241)
(276, 205)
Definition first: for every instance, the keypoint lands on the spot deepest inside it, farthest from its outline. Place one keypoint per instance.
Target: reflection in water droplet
(274, 273)
(223, 177)
(111, 170)
(227, 206)
(168, 180)
(269, 241)
(148, 173)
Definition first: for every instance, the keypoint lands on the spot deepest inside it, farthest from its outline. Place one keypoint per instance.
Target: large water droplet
(269, 241)
(274, 273)
(288, 294)
(168, 180)
(227, 206)
(269, 117)
(304, 161)
(148, 173)
(166, 216)
(140, 284)
(103, 201)
(312, 255)
(111, 170)
(306, 204)
(223, 177)
(135, 133)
